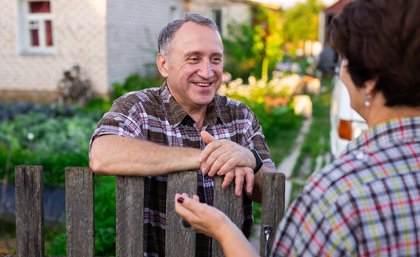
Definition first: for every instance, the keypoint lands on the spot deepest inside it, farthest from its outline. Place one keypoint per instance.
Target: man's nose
(206, 69)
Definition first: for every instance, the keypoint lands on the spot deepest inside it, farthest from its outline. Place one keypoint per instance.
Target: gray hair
(167, 33)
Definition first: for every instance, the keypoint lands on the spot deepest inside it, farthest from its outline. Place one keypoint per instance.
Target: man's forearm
(116, 155)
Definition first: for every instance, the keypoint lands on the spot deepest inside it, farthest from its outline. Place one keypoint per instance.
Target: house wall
(232, 12)
(78, 29)
(132, 32)
(108, 39)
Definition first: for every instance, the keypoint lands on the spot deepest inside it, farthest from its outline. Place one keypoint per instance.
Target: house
(326, 18)
(109, 40)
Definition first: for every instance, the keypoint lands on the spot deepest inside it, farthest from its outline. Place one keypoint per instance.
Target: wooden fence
(129, 212)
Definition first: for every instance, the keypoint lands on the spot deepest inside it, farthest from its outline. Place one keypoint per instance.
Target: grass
(282, 143)
(316, 142)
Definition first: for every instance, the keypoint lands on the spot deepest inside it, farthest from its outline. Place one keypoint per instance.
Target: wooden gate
(129, 203)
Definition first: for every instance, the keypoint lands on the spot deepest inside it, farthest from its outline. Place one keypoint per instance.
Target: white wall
(232, 12)
(108, 39)
(132, 32)
(79, 38)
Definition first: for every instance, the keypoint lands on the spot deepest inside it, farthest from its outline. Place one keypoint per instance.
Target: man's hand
(242, 175)
(224, 157)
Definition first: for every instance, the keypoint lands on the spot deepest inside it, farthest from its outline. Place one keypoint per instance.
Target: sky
(289, 3)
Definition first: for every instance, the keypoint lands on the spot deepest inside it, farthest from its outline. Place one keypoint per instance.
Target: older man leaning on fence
(183, 125)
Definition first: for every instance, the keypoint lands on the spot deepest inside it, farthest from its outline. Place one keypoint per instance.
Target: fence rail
(129, 214)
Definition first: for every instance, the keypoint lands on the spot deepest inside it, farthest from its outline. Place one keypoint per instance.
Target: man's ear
(162, 65)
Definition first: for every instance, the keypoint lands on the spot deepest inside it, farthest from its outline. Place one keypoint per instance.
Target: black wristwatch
(258, 159)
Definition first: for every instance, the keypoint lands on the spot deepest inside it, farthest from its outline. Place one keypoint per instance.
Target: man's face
(193, 65)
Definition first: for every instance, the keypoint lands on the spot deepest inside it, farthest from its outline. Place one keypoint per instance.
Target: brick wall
(79, 38)
(108, 39)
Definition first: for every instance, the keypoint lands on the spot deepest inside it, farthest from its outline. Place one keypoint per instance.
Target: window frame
(25, 31)
(217, 16)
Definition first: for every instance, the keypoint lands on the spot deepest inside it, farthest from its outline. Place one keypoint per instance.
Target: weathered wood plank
(130, 215)
(180, 241)
(272, 209)
(226, 201)
(80, 212)
(29, 211)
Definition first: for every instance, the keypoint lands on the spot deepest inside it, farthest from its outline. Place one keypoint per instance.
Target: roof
(336, 7)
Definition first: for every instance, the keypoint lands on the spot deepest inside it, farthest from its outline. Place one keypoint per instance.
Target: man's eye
(193, 59)
(216, 60)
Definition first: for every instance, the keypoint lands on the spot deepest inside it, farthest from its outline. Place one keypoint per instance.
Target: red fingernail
(180, 199)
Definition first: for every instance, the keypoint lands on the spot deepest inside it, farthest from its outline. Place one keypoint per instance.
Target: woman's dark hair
(381, 39)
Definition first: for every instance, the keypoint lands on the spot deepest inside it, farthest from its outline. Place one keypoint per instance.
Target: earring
(367, 100)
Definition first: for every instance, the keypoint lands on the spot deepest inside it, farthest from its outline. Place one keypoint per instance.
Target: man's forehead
(195, 28)
(197, 38)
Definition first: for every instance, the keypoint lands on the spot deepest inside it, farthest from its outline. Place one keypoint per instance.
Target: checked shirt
(366, 203)
(154, 115)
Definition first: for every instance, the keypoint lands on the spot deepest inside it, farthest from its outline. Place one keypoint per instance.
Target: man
(367, 201)
(183, 125)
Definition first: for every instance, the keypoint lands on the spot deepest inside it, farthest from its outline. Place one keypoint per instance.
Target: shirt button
(360, 155)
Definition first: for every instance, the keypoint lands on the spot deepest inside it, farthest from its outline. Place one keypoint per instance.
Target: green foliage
(301, 22)
(134, 83)
(53, 142)
(241, 58)
(316, 142)
(268, 38)
(254, 49)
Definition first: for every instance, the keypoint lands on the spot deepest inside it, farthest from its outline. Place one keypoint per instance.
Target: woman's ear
(162, 64)
(370, 86)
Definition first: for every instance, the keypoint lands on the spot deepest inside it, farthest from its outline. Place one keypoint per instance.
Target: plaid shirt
(366, 203)
(154, 115)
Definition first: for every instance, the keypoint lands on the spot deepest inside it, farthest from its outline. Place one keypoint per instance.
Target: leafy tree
(301, 23)
(241, 58)
(254, 49)
(268, 38)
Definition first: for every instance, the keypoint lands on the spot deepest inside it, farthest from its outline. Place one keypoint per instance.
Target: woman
(367, 202)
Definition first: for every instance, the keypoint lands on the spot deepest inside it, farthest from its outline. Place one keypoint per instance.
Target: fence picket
(177, 235)
(130, 207)
(226, 201)
(29, 211)
(272, 207)
(80, 212)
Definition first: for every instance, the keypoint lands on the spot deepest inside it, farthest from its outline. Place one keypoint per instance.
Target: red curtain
(39, 7)
(34, 37)
(48, 33)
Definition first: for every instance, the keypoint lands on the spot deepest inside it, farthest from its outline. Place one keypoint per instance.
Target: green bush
(134, 83)
(53, 142)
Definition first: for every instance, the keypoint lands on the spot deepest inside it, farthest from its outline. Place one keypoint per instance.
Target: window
(217, 17)
(37, 26)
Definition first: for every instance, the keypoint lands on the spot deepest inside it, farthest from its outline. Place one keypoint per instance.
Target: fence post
(226, 201)
(29, 211)
(80, 212)
(130, 216)
(176, 234)
(272, 208)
